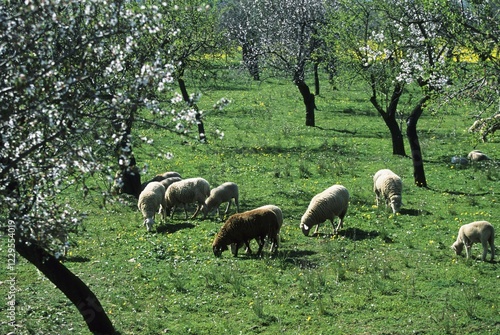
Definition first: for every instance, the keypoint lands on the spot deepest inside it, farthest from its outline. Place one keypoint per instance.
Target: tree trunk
(398, 146)
(73, 287)
(251, 60)
(308, 102)
(389, 116)
(416, 153)
(199, 122)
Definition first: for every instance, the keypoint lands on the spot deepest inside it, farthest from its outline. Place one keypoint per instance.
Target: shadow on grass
(297, 258)
(459, 192)
(354, 234)
(173, 227)
(414, 212)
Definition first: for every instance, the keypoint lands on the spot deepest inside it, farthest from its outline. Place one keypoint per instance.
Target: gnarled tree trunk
(416, 152)
(308, 102)
(199, 122)
(389, 116)
(73, 287)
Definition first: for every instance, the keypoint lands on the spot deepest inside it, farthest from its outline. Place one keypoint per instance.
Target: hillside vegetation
(383, 274)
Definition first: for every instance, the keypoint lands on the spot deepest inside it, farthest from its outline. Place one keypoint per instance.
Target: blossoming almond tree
(73, 77)
(392, 45)
(279, 35)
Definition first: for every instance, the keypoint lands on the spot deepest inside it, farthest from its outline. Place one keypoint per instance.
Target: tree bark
(73, 287)
(251, 60)
(316, 79)
(308, 102)
(416, 152)
(199, 122)
(389, 116)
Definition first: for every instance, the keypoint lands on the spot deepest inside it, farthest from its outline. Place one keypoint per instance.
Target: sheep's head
(219, 249)
(305, 229)
(396, 203)
(148, 222)
(457, 247)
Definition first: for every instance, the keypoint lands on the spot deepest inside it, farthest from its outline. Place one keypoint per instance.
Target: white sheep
(169, 181)
(186, 191)
(476, 156)
(150, 201)
(474, 232)
(162, 176)
(225, 192)
(388, 185)
(326, 205)
(166, 183)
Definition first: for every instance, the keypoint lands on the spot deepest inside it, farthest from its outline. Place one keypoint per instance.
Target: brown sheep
(242, 227)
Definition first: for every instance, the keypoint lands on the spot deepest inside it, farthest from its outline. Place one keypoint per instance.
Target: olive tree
(74, 77)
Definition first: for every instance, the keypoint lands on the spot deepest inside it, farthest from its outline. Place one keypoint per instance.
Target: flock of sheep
(168, 191)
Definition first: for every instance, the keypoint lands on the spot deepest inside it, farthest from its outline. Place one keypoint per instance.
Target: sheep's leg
(261, 242)
(485, 249)
(317, 229)
(237, 205)
(492, 246)
(173, 211)
(234, 249)
(248, 251)
(274, 244)
(339, 226)
(467, 250)
(195, 213)
(228, 206)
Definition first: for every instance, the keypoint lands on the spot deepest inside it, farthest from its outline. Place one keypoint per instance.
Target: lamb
(185, 192)
(476, 156)
(388, 185)
(477, 231)
(243, 227)
(149, 202)
(328, 204)
(220, 194)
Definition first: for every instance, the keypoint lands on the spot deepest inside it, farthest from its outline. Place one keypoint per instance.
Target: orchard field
(383, 274)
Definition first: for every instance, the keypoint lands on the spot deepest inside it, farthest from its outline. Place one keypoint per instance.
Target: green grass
(384, 273)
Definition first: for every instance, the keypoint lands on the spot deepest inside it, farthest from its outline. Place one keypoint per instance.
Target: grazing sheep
(242, 227)
(220, 194)
(169, 181)
(388, 185)
(279, 215)
(478, 231)
(476, 156)
(149, 202)
(166, 183)
(185, 192)
(328, 204)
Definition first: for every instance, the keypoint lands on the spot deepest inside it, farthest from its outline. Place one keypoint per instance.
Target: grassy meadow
(383, 274)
